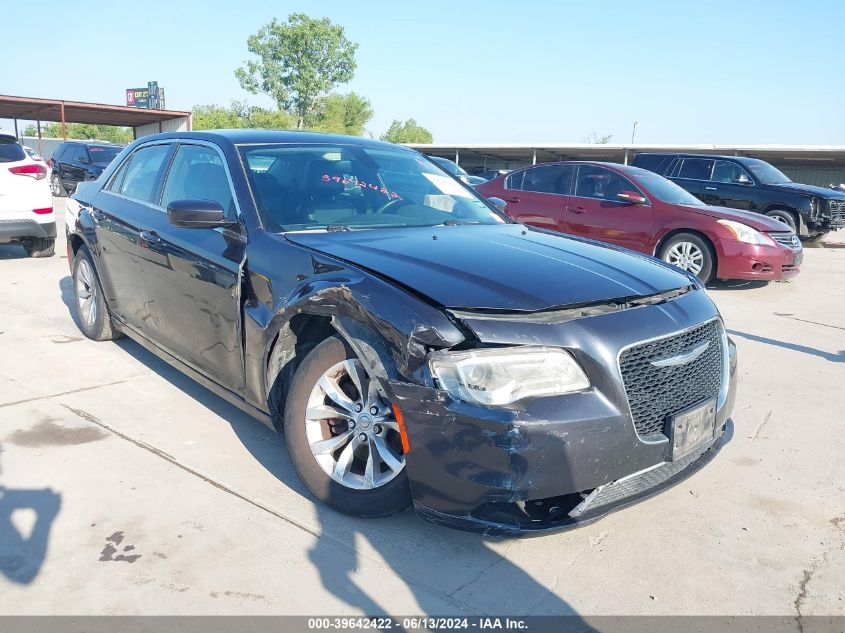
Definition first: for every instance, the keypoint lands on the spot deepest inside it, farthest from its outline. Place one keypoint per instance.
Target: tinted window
(547, 179)
(652, 162)
(10, 151)
(197, 173)
(696, 168)
(77, 154)
(137, 176)
(514, 181)
(663, 189)
(727, 171)
(103, 155)
(306, 187)
(765, 173)
(598, 182)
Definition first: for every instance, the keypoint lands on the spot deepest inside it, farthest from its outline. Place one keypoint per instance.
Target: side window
(601, 183)
(652, 162)
(514, 181)
(197, 173)
(547, 179)
(136, 178)
(727, 171)
(696, 168)
(76, 154)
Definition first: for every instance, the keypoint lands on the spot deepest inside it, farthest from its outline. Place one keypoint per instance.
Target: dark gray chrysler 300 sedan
(415, 345)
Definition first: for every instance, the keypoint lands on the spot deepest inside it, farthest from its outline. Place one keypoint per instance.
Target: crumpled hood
(756, 221)
(497, 267)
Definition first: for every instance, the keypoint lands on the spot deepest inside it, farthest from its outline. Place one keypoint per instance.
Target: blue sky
(483, 72)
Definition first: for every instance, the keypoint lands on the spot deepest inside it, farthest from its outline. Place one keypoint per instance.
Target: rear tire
(785, 217)
(40, 246)
(56, 187)
(93, 314)
(304, 432)
(691, 253)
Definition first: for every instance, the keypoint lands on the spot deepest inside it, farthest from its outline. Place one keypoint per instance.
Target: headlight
(496, 377)
(744, 233)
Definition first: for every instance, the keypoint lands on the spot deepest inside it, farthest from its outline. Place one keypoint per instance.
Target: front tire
(342, 436)
(691, 253)
(92, 312)
(40, 246)
(785, 217)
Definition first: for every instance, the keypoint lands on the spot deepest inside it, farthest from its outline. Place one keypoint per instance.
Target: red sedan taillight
(43, 211)
(33, 171)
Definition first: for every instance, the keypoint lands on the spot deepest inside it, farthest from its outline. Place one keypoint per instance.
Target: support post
(626, 155)
(38, 125)
(457, 156)
(16, 131)
(64, 126)
(534, 158)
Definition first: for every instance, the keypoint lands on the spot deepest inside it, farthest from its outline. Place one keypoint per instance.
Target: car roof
(685, 155)
(97, 143)
(254, 136)
(598, 163)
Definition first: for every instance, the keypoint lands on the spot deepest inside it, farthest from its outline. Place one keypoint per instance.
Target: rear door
(594, 211)
(730, 186)
(119, 210)
(191, 276)
(537, 195)
(693, 174)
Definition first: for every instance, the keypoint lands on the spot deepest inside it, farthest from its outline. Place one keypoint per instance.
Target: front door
(595, 211)
(693, 174)
(191, 276)
(729, 186)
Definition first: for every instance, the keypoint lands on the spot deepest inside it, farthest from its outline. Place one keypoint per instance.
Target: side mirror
(500, 204)
(631, 197)
(742, 179)
(196, 214)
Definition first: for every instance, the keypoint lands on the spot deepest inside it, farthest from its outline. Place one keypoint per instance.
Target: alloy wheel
(687, 256)
(86, 293)
(54, 185)
(351, 430)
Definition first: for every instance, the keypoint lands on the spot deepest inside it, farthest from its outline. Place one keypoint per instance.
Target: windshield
(335, 187)
(663, 189)
(764, 172)
(103, 155)
(450, 166)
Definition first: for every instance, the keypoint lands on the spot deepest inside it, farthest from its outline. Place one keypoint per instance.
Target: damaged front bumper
(560, 461)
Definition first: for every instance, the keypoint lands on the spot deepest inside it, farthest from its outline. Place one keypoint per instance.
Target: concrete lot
(126, 488)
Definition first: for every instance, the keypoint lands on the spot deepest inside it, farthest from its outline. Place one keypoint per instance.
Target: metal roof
(616, 152)
(33, 109)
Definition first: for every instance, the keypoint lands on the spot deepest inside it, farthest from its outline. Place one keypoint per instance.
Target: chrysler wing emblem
(682, 359)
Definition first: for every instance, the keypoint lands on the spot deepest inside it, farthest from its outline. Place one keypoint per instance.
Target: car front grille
(836, 209)
(787, 238)
(654, 392)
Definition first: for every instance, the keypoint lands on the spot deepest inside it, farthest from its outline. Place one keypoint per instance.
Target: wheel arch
(707, 240)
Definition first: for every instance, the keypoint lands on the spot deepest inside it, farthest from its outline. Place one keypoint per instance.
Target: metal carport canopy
(61, 111)
(524, 152)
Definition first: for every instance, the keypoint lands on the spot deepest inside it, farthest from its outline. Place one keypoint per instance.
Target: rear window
(102, 155)
(652, 162)
(10, 151)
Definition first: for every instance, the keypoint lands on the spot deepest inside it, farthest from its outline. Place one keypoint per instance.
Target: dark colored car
(750, 184)
(640, 210)
(414, 344)
(457, 171)
(79, 161)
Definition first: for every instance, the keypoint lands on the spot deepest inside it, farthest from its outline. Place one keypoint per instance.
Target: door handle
(151, 237)
(511, 199)
(579, 210)
(711, 189)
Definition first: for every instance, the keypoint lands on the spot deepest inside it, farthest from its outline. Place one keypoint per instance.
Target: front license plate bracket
(692, 428)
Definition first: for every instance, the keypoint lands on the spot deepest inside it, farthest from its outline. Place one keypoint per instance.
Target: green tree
(83, 131)
(598, 140)
(298, 62)
(343, 114)
(407, 132)
(239, 115)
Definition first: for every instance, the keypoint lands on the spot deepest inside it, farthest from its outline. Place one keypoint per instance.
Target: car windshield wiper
(451, 223)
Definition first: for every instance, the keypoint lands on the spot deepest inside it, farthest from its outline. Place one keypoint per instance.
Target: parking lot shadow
(838, 357)
(426, 557)
(21, 554)
(12, 251)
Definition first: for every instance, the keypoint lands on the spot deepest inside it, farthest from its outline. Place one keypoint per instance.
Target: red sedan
(640, 210)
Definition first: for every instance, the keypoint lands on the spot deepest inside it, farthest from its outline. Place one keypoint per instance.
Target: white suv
(26, 205)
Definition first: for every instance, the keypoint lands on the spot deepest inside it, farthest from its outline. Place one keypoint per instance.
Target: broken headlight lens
(496, 377)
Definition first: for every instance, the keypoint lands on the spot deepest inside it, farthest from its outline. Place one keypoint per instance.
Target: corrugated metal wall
(813, 175)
